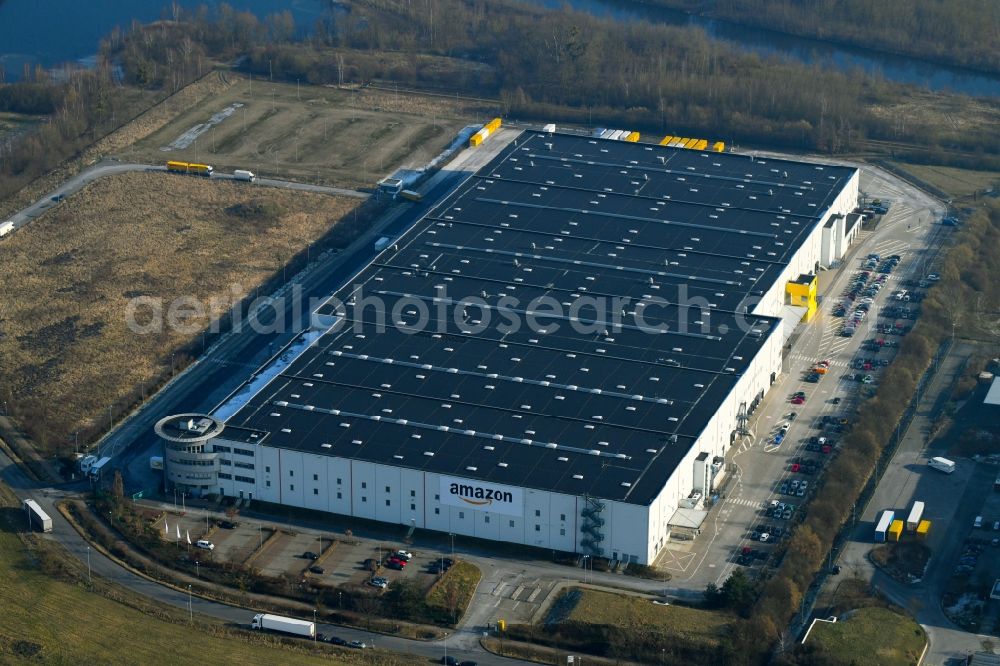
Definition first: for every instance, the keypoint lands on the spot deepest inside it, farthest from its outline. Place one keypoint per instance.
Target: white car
(933, 277)
(204, 544)
(764, 537)
(404, 555)
(380, 583)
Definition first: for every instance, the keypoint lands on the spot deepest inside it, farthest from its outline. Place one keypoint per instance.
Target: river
(52, 32)
(69, 31)
(900, 69)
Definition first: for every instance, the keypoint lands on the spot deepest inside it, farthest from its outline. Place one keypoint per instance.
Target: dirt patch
(66, 349)
(315, 134)
(905, 561)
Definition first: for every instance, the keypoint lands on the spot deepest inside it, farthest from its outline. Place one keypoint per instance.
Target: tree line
(956, 32)
(567, 66)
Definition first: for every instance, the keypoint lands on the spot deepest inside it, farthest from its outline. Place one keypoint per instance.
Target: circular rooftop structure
(188, 428)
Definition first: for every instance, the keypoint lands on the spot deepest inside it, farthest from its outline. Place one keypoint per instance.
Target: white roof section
(993, 396)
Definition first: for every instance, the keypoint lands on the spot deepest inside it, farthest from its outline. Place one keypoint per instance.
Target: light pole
(339, 595)
(90, 580)
(183, 505)
(260, 533)
(452, 535)
(190, 607)
(175, 498)
(197, 569)
(314, 625)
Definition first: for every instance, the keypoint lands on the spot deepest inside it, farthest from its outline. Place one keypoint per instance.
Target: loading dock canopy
(688, 519)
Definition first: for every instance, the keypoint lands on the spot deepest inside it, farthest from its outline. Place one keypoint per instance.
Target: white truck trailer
(942, 465)
(6, 228)
(916, 513)
(883, 525)
(36, 516)
(97, 469)
(243, 174)
(285, 625)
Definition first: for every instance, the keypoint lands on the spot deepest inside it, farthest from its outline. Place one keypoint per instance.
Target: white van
(979, 522)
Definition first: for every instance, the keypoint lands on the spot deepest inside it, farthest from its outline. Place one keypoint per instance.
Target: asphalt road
(109, 168)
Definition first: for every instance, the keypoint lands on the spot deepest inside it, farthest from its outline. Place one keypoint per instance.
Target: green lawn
(49, 621)
(628, 612)
(876, 636)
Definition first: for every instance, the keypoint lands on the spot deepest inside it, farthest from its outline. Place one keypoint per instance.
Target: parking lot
(796, 430)
(284, 555)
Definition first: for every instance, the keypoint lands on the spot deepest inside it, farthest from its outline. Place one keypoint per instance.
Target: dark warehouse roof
(577, 404)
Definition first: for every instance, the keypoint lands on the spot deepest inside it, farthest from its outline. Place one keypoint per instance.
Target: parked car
(309, 555)
(317, 569)
(204, 544)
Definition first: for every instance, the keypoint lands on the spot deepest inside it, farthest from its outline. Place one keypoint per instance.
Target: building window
(291, 472)
(562, 516)
(512, 523)
(246, 479)
(413, 507)
(315, 477)
(225, 476)
(461, 515)
(387, 489)
(437, 512)
(364, 484)
(437, 498)
(291, 486)
(562, 532)
(338, 481)
(267, 468)
(243, 452)
(222, 461)
(315, 491)
(486, 519)
(538, 512)
(340, 496)
(244, 465)
(364, 499)
(538, 528)
(222, 449)
(413, 493)
(388, 502)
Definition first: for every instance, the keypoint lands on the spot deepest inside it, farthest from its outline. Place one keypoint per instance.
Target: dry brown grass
(156, 114)
(66, 352)
(314, 134)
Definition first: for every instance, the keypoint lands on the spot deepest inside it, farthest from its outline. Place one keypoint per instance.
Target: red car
(796, 467)
(798, 400)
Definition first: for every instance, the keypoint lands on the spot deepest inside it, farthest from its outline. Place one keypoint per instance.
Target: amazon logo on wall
(482, 496)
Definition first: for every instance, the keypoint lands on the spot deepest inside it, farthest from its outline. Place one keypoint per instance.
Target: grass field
(66, 353)
(958, 183)
(455, 589)
(639, 614)
(876, 636)
(315, 134)
(49, 621)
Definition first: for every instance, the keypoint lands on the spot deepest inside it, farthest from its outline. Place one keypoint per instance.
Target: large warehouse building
(521, 365)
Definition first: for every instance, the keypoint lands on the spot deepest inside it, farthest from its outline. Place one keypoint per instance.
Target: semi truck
(6, 228)
(243, 174)
(382, 243)
(285, 625)
(884, 523)
(189, 167)
(98, 467)
(941, 464)
(36, 516)
(916, 513)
